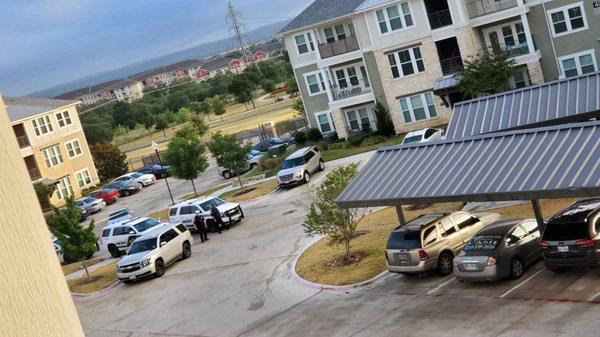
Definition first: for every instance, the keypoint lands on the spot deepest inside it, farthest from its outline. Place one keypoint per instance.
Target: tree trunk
(240, 180)
(164, 133)
(347, 246)
(208, 116)
(85, 267)
(253, 105)
(194, 187)
(221, 118)
(246, 105)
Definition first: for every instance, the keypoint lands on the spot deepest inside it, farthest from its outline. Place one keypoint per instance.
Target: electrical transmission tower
(237, 29)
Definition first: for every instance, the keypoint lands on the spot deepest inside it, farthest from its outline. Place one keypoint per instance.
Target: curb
(101, 292)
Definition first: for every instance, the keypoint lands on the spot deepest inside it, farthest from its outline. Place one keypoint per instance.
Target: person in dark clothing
(201, 226)
(214, 212)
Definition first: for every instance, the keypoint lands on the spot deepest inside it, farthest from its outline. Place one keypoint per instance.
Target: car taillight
(491, 261)
(544, 245)
(585, 243)
(422, 255)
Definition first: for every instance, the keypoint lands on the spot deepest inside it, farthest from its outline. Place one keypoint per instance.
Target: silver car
(92, 205)
(501, 250)
(297, 167)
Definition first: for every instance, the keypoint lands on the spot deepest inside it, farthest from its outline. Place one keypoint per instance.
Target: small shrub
(300, 137)
(338, 145)
(323, 146)
(267, 164)
(373, 140)
(314, 135)
(357, 139)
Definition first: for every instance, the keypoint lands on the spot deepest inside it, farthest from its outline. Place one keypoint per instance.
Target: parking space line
(522, 283)
(591, 299)
(440, 286)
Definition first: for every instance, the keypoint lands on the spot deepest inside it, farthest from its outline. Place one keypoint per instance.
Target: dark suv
(571, 237)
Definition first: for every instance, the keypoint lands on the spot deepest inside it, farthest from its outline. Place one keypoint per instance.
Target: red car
(108, 195)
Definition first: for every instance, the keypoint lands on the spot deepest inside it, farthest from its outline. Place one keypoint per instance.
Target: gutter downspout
(551, 39)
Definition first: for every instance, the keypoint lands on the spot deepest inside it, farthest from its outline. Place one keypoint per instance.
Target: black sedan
(126, 188)
(159, 172)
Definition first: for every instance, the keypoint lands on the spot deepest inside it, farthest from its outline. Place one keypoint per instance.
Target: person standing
(201, 226)
(216, 214)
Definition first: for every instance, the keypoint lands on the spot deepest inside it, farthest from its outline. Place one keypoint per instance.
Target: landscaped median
(99, 279)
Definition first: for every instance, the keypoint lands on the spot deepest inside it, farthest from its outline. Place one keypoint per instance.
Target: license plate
(471, 266)
(132, 277)
(563, 249)
(401, 257)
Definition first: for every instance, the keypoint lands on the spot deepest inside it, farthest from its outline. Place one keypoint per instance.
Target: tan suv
(430, 242)
(297, 167)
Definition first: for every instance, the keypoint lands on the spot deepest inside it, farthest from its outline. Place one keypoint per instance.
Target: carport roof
(550, 162)
(564, 101)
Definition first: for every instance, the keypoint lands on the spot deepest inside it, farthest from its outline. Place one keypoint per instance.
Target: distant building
(124, 90)
(53, 144)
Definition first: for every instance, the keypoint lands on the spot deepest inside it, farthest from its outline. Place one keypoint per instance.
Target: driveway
(240, 283)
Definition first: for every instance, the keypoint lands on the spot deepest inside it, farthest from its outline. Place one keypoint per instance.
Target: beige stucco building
(52, 144)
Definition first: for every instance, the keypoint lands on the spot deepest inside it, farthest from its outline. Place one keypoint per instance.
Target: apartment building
(52, 144)
(409, 54)
(125, 90)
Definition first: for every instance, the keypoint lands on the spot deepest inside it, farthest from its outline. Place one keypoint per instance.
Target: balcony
(340, 47)
(34, 174)
(440, 19)
(512, 50)
(452, 65)
(353, 88)
(478, 8)
(23, 141)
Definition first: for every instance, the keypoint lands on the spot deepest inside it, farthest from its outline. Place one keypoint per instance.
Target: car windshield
(483, 242)
(88, 200)
(107, 190)
(136, 175)
(145, 225)
(413, 139)
(118, 214)
(407, 237)
(566, 231)
(254, 153)
(207, 205)
(142, 246)
(294, 162)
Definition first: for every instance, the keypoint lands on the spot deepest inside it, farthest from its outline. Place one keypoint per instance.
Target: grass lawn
(73, 267)
(252, 192)
(330, 155)
(160, 215)
(204, 193)
(311, 264)
(98, 280)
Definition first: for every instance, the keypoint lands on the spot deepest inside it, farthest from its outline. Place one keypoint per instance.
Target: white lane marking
(440, 286)
(591, 299)
(520, 284)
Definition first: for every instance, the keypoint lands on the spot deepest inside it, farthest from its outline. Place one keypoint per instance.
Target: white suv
(298, 166)
(117, 238)
(154, 250)
(185, 212)
(119, 215)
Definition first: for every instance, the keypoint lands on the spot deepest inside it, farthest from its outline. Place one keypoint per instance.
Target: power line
(237, 28)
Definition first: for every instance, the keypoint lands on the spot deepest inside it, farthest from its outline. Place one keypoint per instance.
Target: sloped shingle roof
(23, 107)
(320, 11)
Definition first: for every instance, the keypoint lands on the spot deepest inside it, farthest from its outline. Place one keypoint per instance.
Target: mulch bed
(341, 261)
(245, 191)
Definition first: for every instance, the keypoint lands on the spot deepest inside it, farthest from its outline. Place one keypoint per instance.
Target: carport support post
(537, 210)
(400, 214)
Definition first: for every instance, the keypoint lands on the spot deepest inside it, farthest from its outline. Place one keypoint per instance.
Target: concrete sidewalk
(80, 273)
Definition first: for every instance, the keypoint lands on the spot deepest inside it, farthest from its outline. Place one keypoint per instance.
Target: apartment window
(578, 64)
(324, 122)
(42, 125)
(360, 119)
(64, 188)
(304, 43)
(52, 156)
(83, 178)
(418, 107)
(394, 18)
(73, 148)
(63, 118)
(568, 19)
(406, 62)
(520, 79)
(315, 83)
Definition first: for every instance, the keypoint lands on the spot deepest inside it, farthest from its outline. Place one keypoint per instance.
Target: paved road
(240, 284)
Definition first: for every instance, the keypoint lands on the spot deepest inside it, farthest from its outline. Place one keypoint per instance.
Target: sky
(44, 43)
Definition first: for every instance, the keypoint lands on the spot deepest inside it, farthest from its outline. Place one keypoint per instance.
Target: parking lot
(241, 283)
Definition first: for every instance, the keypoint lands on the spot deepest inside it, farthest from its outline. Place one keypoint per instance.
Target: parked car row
(476, 249)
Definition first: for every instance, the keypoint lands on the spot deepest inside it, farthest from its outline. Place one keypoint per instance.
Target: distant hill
(203, 50)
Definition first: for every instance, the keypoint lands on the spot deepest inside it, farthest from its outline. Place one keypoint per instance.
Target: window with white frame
(73, 148)
(64, 188)
(568, 19)
(315, 83)
(578, 64)
(42, 125)
(520, 79)
(324, 122)
(83, 178)
(63, 118)
(406, 62)
(305, 43)
(394, 18)
(418, 107)
(52, 156)
(361, 119)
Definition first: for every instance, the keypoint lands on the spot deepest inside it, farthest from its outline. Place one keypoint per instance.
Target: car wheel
(306, 177)
(162, 175)
(227, 175)
(444, 267)
(114, 251)
(159, 266)
(187, 250)
(516, 269)
(253, 165)
(321, 165)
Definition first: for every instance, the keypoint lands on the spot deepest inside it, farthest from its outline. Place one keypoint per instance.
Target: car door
(309, 161)
(452, 236)
(168, 245)
(532, 241)
(466, 225)
(516, 241)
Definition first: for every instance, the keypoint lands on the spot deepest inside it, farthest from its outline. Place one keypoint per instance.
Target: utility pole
(237, 29)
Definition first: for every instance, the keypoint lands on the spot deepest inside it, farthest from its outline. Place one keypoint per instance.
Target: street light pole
(155, 148)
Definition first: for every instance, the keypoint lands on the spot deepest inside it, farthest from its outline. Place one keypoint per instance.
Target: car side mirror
(132, 213)
(131, 232)
(163, 243)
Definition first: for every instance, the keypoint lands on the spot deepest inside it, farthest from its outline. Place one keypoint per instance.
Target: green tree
(44, 193)
(161, 123)
(109, 160)
(229, 153)
(217, 106)
(292, 84)
(486, 74)
(77, 242)
(385, 126)
(324, 217)
(185, 154)
(242, 88)
(299, 106)
(123, 115)
(197, 122)
(268, 86)
(98, 132)
(201, 108)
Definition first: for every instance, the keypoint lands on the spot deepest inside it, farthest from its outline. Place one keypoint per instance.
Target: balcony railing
(23, 141)
(479, 8)
(513, 51)
(338, 47)
(452, 65)
(352, 88)
(440, 19)
(34, 174)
